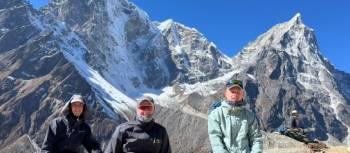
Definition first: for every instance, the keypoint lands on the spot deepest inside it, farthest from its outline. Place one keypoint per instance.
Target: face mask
(144, 118)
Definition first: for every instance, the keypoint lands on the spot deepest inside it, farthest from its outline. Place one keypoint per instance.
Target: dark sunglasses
(232, 82)
(146, 107)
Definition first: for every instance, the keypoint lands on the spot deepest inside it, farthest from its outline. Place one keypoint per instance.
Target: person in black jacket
(67, 133)
(142, 135)
(294, 121)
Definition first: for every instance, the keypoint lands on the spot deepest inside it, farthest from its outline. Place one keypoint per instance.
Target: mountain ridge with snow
(120, 54)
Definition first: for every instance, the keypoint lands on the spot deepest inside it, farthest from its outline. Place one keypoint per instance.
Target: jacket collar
(228, 108)
(73, 121)
(143, 125)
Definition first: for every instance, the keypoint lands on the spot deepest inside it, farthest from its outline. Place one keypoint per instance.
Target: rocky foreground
(273, 143)
(276, 143)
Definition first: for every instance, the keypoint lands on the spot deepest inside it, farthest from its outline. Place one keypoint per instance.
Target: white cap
(294, 112)
(77, 98)
(143, 98)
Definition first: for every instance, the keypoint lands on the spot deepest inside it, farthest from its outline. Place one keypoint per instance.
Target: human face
(234, 94)
(295, 115)
(77, 108)
(145, 108)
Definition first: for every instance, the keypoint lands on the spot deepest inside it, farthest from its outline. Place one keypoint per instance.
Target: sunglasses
(232, 82)
(146, 108)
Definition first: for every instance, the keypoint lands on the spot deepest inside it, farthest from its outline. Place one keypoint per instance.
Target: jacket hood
(87, 112)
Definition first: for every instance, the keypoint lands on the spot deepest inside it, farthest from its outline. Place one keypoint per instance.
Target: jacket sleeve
(91, 144)
(115, 145)
(50, 138)
(165, 148)
(215, 134)
(289, 122)
(255, 137)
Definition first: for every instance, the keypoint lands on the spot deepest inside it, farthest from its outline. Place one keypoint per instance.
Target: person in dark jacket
(294, 122)
(295, 129)
(68, 132)
(142, 135)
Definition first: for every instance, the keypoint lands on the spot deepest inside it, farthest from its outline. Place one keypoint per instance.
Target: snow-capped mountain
(288, 72)
(282, 70)
(120, 37)
(36, 79)
(110, 51)
(198, 59)
(72, 59)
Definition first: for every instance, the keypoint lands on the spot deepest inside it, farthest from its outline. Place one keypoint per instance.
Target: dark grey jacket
(294, 123)
(139, 137)
(66, 134)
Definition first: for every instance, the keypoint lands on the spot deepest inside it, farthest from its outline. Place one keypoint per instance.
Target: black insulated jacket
(139, 137)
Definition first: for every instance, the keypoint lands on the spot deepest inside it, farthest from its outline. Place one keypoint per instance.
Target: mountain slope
(282, 70)
(36, 79)
(120, 37)
(111, 52)
(287, 61)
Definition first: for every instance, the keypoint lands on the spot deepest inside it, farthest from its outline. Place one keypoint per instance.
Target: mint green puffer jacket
(234, 130)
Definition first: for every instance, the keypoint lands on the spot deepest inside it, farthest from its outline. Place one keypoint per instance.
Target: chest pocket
(142, 142)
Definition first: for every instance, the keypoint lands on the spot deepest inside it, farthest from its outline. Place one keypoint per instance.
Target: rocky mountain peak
(296, 20)
(194, 55)
(291, 37)
(287, 60)
(180, 33)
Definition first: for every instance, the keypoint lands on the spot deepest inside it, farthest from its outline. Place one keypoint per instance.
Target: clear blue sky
(231, 24)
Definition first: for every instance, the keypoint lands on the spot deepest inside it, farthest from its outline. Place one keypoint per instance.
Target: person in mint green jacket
(231, 127)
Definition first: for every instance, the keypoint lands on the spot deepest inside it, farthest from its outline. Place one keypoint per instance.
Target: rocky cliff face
(120, 37)
(287, 71)
(36, 80)
(282, 70)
